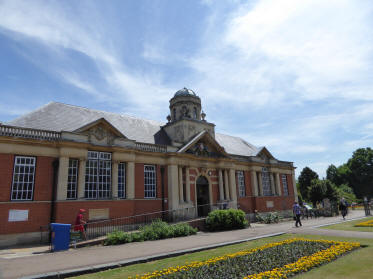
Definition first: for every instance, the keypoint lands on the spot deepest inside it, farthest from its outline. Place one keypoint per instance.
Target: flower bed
(365, 224)
(273, 260)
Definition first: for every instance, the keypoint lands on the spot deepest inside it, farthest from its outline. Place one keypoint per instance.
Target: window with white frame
(150, 184)
(72, 179)
(98, 175)
(122, 180)
(23, 178)
(266, 182)
(285, 184)
(241, 183)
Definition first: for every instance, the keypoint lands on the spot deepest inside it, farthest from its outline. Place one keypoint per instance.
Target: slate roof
(63, 117)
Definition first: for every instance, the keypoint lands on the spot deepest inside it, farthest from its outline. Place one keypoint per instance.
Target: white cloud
(51, 24)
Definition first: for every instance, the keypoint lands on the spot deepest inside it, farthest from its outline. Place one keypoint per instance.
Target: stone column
(260, 186)
(62, 178)
(221, 190)
(114, 185)
(294, 186)
(272, 181)
(130, 180)
(254, 183)
(181, 188)
(226, 185)
(232, 184)
(187, 186)
(278, 184)
(81, 178)
(173, 187)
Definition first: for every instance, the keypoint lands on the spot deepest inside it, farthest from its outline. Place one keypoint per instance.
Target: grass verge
(349, 226)
(357, 264)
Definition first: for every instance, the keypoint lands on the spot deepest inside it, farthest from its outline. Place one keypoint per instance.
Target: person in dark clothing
(343, 207)
(297, 212)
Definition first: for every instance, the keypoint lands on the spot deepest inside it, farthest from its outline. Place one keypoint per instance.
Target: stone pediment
(264, 154)
(203, 144)
(100, 132)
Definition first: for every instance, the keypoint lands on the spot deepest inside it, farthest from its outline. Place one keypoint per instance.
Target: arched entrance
(203, 196)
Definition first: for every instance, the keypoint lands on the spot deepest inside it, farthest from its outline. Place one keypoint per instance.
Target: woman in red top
(79, 223)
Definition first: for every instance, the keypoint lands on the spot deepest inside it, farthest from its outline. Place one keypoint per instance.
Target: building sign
(16, 215)
(269, 204)
(98, 214)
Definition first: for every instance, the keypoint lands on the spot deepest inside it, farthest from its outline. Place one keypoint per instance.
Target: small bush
(268, 218)
(117, 237)
(156, 230)
(226, 219)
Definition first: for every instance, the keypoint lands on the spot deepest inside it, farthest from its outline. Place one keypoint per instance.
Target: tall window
(285, 184)
(23, 178)
(150, 181)
(241, 184)
(121, 180)
(98, 175)
(266, 182)
(195, 113)
(72, 179)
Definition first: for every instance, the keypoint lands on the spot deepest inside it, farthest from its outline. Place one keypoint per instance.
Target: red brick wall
(39, 215)
(248, 185)
(43, 178)
(67, 211)
(6, 172)
(279, 203)
(39, 212)
(289, 178)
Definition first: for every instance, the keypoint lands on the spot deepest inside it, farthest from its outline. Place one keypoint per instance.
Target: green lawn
(349, 226)
(357, 264)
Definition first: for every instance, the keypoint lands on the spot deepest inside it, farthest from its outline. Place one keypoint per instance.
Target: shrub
(268, 218)
(118, 237)
(156, 230)
(226, 219)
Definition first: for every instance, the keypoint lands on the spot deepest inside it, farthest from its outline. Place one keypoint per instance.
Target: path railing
(101, 228)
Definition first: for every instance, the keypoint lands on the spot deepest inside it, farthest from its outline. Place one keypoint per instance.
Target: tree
(339, 175)
(360, 174)
(332, 174)
(316, 191)
(304, 179)
(330, 190)
(345, 191)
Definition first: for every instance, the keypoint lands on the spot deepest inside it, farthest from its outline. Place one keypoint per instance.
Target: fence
(97, 229)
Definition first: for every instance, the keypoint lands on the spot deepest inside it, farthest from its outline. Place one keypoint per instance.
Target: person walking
(297, 212)
(343, 207)
(80, 222)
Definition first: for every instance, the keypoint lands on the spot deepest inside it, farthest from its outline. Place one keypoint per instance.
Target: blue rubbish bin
(60, 236)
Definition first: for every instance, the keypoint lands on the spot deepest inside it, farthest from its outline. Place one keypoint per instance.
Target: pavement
(38, 262)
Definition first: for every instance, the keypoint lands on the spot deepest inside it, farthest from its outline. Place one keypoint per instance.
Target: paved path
(100, 256)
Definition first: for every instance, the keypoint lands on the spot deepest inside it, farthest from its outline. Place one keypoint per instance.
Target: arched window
(174, 114)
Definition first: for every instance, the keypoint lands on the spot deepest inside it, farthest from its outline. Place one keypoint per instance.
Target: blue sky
(294, 76)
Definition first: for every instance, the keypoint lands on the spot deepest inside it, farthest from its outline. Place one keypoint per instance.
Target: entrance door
(203, 196)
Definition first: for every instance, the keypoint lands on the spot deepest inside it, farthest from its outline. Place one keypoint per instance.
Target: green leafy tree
(360, 173)
(330, 190)
(345, 191)
(305, 178)
(316, 191)
(332, 174)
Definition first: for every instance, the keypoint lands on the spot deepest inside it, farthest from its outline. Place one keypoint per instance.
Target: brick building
(60, 158)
